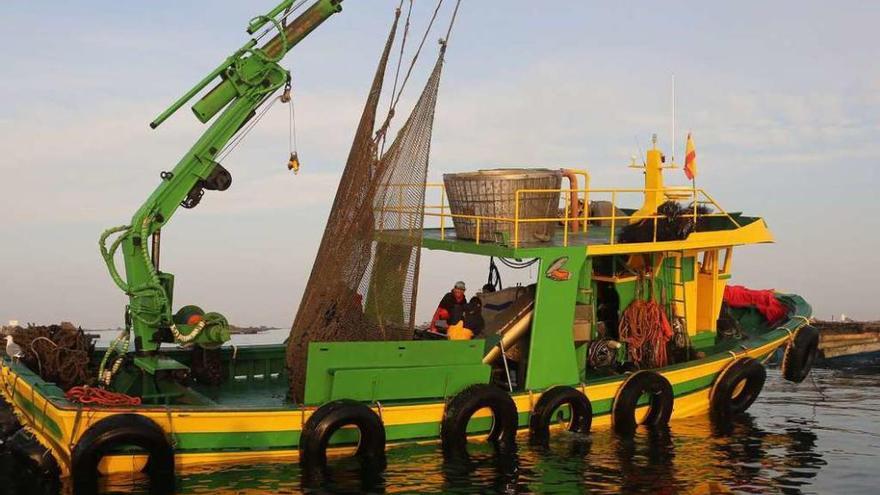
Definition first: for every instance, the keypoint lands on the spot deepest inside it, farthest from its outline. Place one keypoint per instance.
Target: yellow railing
(583, 220)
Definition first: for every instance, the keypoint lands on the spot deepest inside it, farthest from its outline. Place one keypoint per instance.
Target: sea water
(821, 436)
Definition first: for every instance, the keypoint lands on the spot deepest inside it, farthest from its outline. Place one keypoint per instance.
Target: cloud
(785, 127)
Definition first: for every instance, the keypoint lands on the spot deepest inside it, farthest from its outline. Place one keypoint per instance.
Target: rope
(60, 356)
(644, 327)
(418, 51)
(291, 137)
(241, 134)
(506, 367)
(451, 23)
(517, 265)
(817, 387)
(92, 395)
(400, 57)
(37, 354)
(397, 70)
(282, 20)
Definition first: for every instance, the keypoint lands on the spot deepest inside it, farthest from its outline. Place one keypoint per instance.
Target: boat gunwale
(799, 316)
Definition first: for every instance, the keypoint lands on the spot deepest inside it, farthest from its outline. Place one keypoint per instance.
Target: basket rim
(505, 173)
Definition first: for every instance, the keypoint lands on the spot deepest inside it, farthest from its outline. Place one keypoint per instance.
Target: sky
(782, 97)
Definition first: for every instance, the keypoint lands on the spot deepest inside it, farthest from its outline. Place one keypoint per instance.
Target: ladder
(678, 282)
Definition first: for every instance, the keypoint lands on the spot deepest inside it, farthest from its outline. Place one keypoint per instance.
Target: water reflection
(693, 457)
(796, 441)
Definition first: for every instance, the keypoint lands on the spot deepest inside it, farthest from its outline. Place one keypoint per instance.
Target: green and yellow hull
(209, 435)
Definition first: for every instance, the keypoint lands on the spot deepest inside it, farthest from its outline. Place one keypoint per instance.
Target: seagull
(13, 350)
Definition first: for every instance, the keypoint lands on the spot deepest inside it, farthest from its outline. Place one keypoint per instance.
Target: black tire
(461, 408)
(623, 412)
(8, 421)
(800, 354)
(736, 389)
(329, 419)
(117, 431)
(29, 452)
(549, 403)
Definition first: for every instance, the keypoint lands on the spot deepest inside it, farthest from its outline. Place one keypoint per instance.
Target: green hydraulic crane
(247, 79)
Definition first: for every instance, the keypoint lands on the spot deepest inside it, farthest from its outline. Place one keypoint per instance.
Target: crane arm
(247, 79)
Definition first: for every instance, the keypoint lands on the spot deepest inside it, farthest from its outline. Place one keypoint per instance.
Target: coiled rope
(59, 355)
(646, 330)
(92, 395)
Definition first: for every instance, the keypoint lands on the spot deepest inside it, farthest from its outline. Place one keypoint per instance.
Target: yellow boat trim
(74, 423)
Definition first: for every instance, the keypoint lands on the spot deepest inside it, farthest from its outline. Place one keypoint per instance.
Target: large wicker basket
(492, 193)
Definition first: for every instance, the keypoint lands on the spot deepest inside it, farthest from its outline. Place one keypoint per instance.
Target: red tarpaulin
(737, 296)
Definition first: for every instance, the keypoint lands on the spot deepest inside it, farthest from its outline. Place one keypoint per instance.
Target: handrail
(696, 196)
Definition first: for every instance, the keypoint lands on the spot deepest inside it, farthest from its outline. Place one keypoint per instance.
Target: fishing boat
(626, 325)
(847, 343)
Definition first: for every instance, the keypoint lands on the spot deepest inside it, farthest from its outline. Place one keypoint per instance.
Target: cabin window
(725, 264)
(708, 261)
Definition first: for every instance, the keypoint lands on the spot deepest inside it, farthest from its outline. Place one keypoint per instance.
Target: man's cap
(460, 285)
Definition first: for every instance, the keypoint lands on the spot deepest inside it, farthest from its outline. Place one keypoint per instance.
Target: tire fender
(625, 403)
(462, 407)
(736, 388)
(800, 354)
(550, 401)
(329, 419)
(119, 430)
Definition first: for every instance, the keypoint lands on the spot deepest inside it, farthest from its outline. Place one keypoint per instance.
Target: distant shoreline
(233, 329)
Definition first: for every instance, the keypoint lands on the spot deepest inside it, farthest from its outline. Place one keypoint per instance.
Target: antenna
(672, 152)
(641, 154)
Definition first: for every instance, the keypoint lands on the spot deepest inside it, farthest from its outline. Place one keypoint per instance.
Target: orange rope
(92, 395)
(644, 326)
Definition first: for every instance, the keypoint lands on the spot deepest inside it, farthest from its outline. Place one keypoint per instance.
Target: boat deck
(595, 235)
(599, 240)
(248, 393)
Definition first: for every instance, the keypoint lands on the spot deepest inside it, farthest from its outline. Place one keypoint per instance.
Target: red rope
(92, 395)
(644, 326)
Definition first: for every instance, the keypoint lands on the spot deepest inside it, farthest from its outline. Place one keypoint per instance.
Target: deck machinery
(244, 81)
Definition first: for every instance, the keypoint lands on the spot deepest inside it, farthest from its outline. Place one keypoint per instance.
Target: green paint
(42, 422)
(703, 340)
(687, 268)
(408, 383)
(626, 293)
(233, 440)
(380, 370)
(552, 359)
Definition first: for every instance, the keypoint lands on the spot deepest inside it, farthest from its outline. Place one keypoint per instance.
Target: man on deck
(451, 307)
(454, 308)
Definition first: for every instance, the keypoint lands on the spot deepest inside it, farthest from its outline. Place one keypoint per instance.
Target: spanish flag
(690, 159)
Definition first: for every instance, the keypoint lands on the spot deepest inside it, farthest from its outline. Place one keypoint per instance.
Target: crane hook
(285, 95)
(293, 163)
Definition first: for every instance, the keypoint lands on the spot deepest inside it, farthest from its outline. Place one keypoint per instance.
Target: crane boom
(248, 78)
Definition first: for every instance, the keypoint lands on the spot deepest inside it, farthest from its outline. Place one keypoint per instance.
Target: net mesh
(364, 281)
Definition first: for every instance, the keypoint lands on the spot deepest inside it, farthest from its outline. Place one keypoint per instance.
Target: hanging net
(365, 277)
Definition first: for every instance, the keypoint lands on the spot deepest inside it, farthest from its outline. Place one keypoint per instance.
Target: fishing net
(60, 354)
(365, 277)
